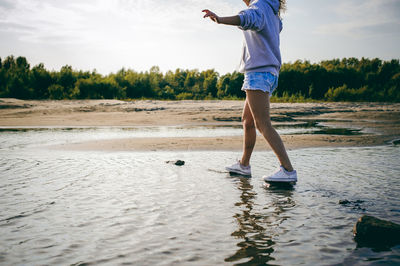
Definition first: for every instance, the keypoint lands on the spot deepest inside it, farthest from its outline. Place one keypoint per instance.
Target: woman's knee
(248, 123)
(263, 126)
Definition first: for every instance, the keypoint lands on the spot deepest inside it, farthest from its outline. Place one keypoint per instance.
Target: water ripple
(133, 208)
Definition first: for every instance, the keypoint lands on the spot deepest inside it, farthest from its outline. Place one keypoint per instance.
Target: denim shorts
(263, 81)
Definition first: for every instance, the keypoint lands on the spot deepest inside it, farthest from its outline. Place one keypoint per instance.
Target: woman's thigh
(258, 103)
(247, 117)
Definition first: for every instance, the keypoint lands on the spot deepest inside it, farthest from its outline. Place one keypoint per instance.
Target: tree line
(348, 79)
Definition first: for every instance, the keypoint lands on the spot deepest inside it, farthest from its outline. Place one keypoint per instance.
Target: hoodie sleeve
(252, 19)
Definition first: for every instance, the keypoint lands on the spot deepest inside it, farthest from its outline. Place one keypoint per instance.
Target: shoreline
(220, 143)
(379, 123)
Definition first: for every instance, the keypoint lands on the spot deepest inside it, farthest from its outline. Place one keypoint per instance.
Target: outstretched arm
(234, 20)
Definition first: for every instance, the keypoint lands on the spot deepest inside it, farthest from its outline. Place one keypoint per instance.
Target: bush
(344, 93)
(56, 92)
(184, 96)
(348, 79)
(97, 88)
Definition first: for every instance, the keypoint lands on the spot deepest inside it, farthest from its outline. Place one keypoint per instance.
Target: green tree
(18, 77)
(235, 85)
(210, 78)
(347, 79)
(155, 78)
(3, 80)
(40, 82)
(56, 92)
(97, 87)
(223, 85)
(67, 79)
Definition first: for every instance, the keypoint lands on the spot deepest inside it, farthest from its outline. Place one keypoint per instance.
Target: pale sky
(110, 34)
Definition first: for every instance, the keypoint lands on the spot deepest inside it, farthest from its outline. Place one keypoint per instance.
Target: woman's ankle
(288, 169)
(244, 163)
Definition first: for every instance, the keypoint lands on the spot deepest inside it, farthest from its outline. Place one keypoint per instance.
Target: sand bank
(379, 123)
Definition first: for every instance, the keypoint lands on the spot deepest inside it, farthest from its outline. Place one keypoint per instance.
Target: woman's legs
(258, 103)
(249, 138)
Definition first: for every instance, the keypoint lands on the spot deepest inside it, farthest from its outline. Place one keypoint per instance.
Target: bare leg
(249, 138)
(258, 102)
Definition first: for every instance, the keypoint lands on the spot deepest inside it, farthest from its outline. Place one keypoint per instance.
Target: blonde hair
(282, 6)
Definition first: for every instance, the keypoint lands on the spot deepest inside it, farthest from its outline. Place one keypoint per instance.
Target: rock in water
(180, 163)
(371, 231)
(344, 202)
(177, 162)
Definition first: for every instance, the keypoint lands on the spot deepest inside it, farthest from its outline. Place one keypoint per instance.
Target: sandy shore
(379, 123)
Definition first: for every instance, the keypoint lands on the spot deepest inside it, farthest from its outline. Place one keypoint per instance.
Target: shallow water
(72, 207)
(23, 137)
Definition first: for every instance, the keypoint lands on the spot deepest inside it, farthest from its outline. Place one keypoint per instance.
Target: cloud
(364, 18)
(100, 19)
(14, 27)
(40, 20)
(107, 34)
(6, 4)
(145, 31)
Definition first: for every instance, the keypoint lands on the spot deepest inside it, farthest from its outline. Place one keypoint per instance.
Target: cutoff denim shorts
(263, 81)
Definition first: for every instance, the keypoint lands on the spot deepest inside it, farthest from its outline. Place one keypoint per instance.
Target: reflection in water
(256, 224)
(131, 208)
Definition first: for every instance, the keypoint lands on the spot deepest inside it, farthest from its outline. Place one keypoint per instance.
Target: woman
(261, 63)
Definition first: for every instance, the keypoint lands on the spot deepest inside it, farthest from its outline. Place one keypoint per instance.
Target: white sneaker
(238, 168)
(282, 176)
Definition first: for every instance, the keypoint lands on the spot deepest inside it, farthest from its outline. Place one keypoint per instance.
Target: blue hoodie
(261, 26)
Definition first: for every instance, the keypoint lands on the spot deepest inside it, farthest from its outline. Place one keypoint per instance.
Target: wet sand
(379, 122)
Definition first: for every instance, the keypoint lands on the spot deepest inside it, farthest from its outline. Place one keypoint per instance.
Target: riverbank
(339, 124)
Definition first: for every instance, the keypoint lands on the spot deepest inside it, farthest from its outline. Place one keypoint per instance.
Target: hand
(211, 15)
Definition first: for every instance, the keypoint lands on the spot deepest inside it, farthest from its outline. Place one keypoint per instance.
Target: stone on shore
(371, 231)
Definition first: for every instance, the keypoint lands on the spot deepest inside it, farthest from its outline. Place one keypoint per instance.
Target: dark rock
(344, 202)
(180, 163)
(373, 232)
(282, 119)
(144, 109)
(228, 119)
(14, 106)
(396, 142)
(177, 162)
(352, 204)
